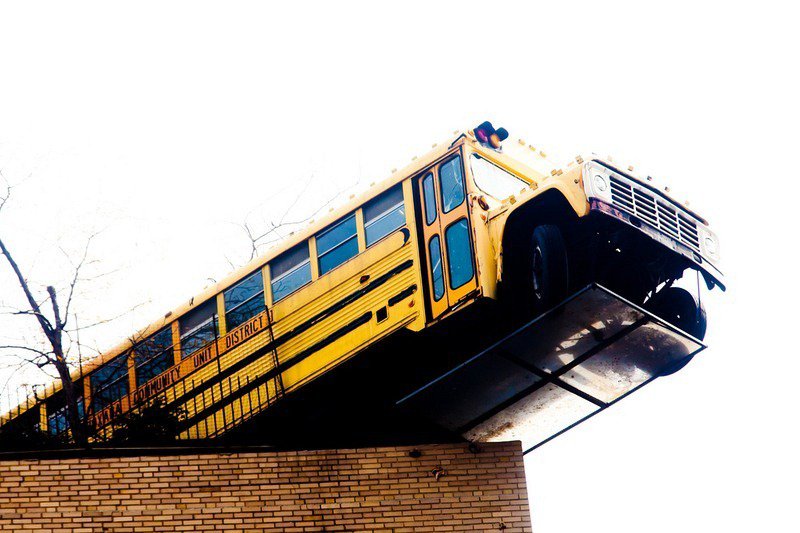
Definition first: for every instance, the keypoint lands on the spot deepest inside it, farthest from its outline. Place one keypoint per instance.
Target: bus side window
(153, 356)
(451, 180)
(198, 327)
(56, 409)
(430, 199)
(384, 214)
(436, 267)
(290, 271)
(109, 382)
(244, 300)
(337, 244)
(459, 253)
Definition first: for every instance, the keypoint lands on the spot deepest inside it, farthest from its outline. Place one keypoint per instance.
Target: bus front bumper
(712, 275)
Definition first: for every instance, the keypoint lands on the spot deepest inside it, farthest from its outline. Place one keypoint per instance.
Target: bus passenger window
(109, 383)
(56, 409)
(437, 277)
(244, 300)
(459, 253)
(198, 327)
(153, 356)
(430, 199)
(290, 271)
(337, 244)
(384, 214)
(451, 180)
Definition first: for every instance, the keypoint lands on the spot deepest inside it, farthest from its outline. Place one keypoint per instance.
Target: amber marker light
(486, 134)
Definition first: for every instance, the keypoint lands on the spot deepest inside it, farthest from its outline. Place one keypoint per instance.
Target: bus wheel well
(549, 208)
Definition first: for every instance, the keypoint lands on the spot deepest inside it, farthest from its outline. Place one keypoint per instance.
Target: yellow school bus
(481, 222)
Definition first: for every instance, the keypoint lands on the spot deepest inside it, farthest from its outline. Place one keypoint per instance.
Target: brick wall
(374, 489)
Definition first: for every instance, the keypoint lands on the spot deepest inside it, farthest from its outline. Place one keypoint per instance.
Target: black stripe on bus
(347, 300)
(233, 396)
(252, 385)
(399, 297)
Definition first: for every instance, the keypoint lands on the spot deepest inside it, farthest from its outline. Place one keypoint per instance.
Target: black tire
(678, 307)
(548, 268)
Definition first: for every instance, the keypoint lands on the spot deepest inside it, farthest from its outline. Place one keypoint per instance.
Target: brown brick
(374, 489)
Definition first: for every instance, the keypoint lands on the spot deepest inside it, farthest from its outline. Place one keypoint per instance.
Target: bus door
(447, 237)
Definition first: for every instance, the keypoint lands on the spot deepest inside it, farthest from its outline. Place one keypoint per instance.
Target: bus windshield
(493, 180)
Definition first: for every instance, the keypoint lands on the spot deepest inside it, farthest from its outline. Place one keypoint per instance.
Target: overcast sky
(167, 126)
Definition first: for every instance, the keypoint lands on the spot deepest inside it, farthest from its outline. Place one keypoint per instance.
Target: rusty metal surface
(555, 372)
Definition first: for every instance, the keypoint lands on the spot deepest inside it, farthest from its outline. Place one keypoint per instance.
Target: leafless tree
(52, 313)
(51, 309)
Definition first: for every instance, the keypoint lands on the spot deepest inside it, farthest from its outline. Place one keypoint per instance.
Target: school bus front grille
(664, 215)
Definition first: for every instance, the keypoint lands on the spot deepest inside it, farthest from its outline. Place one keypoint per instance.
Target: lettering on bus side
(156, 385)
(203, 356)
(106, 415)
(245, 331)
(159, 384)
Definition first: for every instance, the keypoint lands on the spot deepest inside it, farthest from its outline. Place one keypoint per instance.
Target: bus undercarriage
(530, 383)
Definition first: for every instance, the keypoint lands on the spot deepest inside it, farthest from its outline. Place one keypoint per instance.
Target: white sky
(167, 125)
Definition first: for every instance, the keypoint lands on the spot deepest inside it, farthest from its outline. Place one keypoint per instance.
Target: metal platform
(548, 376)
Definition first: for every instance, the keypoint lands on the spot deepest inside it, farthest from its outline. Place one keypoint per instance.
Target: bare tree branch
(45, 324)
(25, 348)
(109, 320)
(75, 277)
(7, 194)
(257, 240)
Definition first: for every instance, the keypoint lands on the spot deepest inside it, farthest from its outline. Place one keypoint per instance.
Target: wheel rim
(537, 267)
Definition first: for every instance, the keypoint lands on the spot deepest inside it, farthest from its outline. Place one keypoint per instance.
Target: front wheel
(548, 275)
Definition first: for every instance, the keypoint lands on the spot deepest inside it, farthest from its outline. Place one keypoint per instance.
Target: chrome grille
(662, 214)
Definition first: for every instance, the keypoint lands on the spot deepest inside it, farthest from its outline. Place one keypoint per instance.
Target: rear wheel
(548, 277)
(678, 307)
